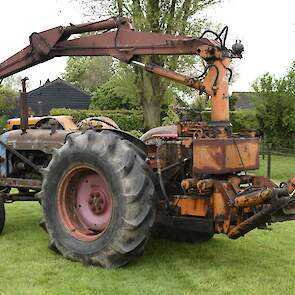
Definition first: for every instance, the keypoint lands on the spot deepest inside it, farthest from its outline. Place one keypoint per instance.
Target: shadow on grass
(23, 222)
(262, 262)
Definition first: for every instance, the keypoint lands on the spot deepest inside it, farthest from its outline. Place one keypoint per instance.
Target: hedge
(132, 120)
(127, 120)
(240, 119)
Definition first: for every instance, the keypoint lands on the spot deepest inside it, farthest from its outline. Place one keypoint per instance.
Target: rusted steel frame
(24, 120)
(42, 43)
(107, 24)
(159, 172)
(259, 218)
(37, 139)
(178, 163)
(192, 205)
(249, 199)
(176, 77)
(11, 198)
(216, 84)
(256, 181)
(126, 44)
(21, 157)
(198, 224)
(123, 44)
(203, 185)
(189, 183)
(171, 75)
(37, 52)
(228, 193)
(20, 183)
(224, 155)
(286, 213)
(262, 181)
(291, 185)
(219, 211)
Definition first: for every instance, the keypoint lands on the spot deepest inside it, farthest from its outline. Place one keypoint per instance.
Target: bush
(244, 119)
(127, 120)
(240, 119)
(3, 121)
(274, 101)
(132, 120)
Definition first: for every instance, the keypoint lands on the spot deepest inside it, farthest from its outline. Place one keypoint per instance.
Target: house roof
(57, 94)
(56, 82)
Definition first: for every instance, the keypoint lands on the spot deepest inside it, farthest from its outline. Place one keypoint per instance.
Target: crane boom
(117, 37)
(123, 43)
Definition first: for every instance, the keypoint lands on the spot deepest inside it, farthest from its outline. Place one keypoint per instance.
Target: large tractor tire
(98, 200)
(2, 215)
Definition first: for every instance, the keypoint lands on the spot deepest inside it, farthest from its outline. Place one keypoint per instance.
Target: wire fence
(276, 150)
(277, 163)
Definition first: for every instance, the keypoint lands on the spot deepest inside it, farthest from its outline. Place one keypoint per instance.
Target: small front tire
(2, 215)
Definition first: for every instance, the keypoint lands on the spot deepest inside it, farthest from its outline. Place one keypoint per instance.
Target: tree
(88, 72)
(233, 100)
(7, 100)
(275, 107)
(14, 83)
(119, 92)
(170, 17)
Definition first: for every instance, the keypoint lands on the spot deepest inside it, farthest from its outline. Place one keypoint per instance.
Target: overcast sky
(266, 28)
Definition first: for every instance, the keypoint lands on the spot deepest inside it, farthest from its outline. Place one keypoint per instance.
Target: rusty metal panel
(192, 206)
(20, 183)
(37, 139)
(226, 155)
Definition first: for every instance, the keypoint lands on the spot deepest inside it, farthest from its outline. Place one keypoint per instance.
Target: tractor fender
(137, 142)
(149, 137)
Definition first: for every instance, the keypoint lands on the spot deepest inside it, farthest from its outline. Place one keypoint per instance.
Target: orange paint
(219, 92)
(192, 207)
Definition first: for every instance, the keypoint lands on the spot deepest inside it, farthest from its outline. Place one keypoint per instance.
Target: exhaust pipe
(24, 113)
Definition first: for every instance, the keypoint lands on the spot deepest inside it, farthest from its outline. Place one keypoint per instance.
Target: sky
(266, 28)
(19, 19)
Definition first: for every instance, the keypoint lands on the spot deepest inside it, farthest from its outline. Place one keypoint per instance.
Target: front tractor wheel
(2, 215)
(98, 200)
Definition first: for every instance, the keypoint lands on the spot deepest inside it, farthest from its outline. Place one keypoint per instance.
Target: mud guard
(137, 142)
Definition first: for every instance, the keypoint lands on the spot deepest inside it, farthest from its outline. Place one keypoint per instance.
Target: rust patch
(220, 156)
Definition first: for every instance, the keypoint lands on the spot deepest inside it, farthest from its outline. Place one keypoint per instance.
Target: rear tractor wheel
(98, 200)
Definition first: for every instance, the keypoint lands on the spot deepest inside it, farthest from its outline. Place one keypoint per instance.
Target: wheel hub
(85, 203)
(97, 203)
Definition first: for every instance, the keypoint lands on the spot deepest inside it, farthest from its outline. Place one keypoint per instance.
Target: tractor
(103, 191)
(62, 122)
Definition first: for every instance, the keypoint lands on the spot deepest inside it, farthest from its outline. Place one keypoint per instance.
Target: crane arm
(117, 38)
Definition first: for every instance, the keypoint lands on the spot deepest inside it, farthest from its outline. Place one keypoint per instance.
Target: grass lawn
(263, 262)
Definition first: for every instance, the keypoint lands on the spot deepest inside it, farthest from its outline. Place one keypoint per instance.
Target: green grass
(261, 263)
(282, 167)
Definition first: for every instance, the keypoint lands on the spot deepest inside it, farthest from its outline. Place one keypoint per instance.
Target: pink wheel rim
(84, 203)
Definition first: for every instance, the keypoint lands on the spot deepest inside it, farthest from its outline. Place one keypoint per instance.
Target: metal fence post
(268, 160)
